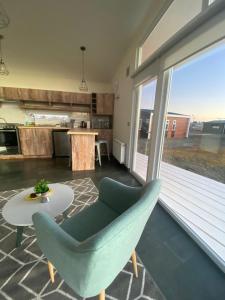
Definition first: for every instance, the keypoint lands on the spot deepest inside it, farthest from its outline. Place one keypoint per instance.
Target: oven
(9, 139)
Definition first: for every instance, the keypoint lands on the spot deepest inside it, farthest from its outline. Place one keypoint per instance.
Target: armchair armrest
(63, 251)
(50, 234)
(118, 196)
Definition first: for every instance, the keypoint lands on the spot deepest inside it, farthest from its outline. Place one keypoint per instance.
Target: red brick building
(177, 125)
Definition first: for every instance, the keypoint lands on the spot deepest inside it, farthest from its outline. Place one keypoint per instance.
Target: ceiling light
(3, 69)
(4, 19)
(83, 85)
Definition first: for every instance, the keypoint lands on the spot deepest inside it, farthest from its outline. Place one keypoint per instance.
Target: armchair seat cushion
(89, 221)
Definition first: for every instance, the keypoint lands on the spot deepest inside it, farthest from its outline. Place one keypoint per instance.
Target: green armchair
(89, 249)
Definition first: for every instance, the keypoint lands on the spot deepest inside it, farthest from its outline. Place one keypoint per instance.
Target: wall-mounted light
(3, 69)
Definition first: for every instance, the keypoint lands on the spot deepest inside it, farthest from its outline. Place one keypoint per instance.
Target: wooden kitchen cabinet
(48, 96)
(82, 98)
(105, 104)
(100, 104)
(36, 142)
(9, 93)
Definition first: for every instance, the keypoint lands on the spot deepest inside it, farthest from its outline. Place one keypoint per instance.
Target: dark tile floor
(180, 268)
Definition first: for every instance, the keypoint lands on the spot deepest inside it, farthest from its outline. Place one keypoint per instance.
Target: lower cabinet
(36, 141)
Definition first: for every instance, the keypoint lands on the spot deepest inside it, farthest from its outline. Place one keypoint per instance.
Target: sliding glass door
(144, 113)
(195, 130)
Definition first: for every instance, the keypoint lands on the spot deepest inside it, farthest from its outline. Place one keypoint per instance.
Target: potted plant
(41, 188)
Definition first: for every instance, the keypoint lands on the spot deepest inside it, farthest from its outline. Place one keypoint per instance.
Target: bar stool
(98, 146)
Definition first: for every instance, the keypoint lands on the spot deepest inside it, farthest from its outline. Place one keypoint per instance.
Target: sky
(197, 89)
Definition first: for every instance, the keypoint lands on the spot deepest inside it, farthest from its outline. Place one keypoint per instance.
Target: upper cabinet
(36, 95)
(100, 103)
(104, 104)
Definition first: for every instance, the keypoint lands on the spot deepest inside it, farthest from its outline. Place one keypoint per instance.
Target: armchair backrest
(90, 266)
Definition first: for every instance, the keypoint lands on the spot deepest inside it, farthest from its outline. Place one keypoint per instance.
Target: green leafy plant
(41, 186)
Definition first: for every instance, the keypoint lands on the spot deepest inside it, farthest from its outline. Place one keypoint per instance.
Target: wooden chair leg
(102, 295)
(134, 261)
(51, 272)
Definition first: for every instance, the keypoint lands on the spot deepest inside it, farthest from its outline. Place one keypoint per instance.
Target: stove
(8, 126)
(9, 139)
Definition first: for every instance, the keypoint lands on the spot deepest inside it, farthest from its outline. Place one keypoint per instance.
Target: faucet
(3, 120)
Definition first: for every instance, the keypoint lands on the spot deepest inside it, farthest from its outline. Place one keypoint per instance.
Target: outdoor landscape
(196, 93)
(203, 154)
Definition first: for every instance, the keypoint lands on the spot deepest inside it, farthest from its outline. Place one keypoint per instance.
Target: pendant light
(83, 85)
(4, 19)
(3, 69)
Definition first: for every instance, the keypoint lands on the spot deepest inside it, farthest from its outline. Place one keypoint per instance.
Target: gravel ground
(203, 154)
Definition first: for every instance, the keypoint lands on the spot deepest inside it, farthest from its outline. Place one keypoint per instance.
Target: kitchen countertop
(58, 127)
(78, 131)
(45, 127)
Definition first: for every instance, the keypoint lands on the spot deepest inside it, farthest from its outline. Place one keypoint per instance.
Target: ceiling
(45, 36)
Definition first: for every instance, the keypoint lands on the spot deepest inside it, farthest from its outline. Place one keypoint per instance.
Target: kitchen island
(83, 148)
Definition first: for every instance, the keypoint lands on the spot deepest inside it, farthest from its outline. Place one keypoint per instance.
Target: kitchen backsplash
(12, 113)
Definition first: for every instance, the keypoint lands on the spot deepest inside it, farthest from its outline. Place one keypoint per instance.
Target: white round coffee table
(18, 211)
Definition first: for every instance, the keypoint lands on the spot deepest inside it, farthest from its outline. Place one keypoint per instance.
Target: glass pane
(145, 116)
(178, 15)
(195, 127)
(211, 2)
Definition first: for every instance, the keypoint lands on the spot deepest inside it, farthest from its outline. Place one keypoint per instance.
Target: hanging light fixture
(4, 19)
(83, 85)
(3, 69)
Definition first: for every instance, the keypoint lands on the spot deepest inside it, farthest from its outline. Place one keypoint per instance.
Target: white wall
(50, 81)
(123, 106)
(12, 113)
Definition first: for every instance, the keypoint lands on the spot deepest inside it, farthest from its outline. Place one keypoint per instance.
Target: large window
(195, 128)
(177, 16)
(211, 2)
(145, 112)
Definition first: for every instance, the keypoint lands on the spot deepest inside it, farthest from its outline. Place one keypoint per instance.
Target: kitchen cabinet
(82, 98)
(105, 104)
(36, 142)
(48, 96)
(9, 93)
(100, 104)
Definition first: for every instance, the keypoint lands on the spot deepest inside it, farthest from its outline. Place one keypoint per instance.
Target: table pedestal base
(19, 235)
